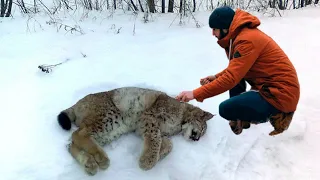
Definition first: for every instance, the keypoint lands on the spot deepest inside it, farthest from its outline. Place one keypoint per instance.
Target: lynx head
(194, 123)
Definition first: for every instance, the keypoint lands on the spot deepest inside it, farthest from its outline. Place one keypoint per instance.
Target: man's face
(216, 32)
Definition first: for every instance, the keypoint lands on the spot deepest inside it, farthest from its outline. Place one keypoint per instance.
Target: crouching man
(255, 58)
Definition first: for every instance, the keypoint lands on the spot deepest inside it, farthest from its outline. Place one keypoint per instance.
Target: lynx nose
(195, 138)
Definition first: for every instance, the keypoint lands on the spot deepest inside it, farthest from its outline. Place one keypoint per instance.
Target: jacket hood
(240, 20)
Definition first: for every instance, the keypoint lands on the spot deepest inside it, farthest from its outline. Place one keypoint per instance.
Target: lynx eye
(202, 131)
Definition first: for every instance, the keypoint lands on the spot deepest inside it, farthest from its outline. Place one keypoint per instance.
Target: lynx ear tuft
(207, 116)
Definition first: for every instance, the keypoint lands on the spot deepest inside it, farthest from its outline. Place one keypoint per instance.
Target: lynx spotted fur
(103, 117)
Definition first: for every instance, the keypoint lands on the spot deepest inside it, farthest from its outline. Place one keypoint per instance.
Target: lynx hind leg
(166, 147)
(84, 159)
(83, 140)
(151, 145)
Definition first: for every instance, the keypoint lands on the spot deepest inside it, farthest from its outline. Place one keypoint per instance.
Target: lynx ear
(207, 115)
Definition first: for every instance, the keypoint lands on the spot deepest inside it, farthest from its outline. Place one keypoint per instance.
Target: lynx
(102, 117)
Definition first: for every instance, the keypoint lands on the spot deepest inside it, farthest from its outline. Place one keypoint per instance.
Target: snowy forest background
(184, 8)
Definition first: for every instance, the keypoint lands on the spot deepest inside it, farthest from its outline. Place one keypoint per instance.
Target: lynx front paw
(91, 166)
(148, 161)
(102, 160)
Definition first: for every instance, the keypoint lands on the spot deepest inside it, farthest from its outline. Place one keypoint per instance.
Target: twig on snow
(48, 68)
(134, 24)
(67, 28)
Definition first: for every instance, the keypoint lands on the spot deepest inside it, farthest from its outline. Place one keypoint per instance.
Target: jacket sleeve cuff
(219, 74)
(198, 94)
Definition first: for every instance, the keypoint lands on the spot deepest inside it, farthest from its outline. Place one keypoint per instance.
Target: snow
(169, 58)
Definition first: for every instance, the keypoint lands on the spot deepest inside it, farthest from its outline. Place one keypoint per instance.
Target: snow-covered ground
(172, 59)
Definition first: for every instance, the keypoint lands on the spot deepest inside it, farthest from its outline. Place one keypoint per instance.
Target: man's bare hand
(185, 96)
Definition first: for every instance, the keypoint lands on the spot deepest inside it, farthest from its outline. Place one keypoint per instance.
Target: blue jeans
(249, 106)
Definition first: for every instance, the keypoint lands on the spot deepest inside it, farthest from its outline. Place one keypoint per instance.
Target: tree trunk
(141, 6)
(194, 6)
(151, 5)
(9, 8)
(170, 6)
(3, 8)
(281, 5)
(134, 6)
(308, 2)
(163, 6)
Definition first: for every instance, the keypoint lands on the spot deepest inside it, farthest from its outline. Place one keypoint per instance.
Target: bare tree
(152, 6)
(5, 8)
(170, 6)
(163, 6)
(183, 8)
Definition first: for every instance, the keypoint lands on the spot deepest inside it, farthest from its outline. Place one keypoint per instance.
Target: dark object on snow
(48, 68)
(45, 68)
(64, 121)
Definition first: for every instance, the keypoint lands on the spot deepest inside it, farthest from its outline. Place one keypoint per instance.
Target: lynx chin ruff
(103, 117)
